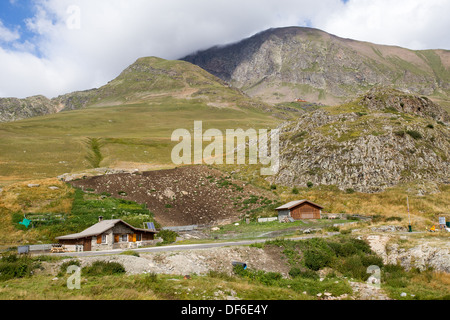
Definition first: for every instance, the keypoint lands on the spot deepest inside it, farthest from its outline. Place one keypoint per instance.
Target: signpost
(409, 215)
(442, 222)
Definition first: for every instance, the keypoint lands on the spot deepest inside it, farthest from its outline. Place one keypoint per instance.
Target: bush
(371, 260)
(13, 266)
(168, 236)
(361, 245)
(295, 190)
(414, 134)
(149, 279)
(395, 276)
(343, 250)
(352, 266)
(316, 259)
(307, 274)
(102, 268)
(65, 265)
(393, 219)
(273, 187)
(266, 278)
(400, 133)
(130, 253)
(310, 184)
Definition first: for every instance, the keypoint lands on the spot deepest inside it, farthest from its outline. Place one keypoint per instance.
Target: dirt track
(181, 196)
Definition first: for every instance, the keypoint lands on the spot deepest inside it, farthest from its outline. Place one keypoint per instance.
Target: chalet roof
(100, 228)
(293, 204)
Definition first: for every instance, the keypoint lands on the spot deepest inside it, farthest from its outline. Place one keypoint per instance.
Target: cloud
(414, 24)
(7, 35)
(81, 44)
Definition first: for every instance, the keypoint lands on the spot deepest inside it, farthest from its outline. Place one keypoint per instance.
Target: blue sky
(52, 47)
(14, 13)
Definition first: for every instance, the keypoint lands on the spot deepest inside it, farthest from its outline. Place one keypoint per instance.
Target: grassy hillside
(48, 146)
(58, 209)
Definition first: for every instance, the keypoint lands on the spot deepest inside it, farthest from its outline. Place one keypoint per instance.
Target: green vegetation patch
(86, 208)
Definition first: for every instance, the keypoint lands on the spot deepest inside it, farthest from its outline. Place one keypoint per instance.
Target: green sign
(25, 222)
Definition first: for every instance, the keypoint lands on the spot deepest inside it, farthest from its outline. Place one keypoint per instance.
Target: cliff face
(281, 65)
(367, 149)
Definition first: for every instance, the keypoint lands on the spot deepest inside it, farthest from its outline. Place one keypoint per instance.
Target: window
(124, 238)
(138, 237)
(104, 240)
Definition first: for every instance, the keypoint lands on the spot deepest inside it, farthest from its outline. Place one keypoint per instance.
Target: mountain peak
(284, 64)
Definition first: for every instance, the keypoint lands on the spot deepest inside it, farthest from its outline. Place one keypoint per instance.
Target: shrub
(168, 236)
(65, 265)
(316, 259)
(352, 266)
(343, 249)
(430, 126)
(307, 274)
(361, 245)
(414, 134)
(102, 268)
(266, 278)
(372, 260)
(149, 279)
(13, 266)
(130, 253)
(273, 187)
(395, 276)
(400, 133)
(310, 184)
(394, 219)
(295, 190)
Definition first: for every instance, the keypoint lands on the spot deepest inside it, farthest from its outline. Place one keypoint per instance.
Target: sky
(53, 47)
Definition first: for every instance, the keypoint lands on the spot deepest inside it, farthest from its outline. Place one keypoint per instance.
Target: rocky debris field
(367, 149)
(412, 253)
(181, 196)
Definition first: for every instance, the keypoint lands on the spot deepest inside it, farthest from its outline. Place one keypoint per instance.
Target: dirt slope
(181, 196)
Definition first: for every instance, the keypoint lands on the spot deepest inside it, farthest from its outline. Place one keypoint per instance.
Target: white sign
(441, 220)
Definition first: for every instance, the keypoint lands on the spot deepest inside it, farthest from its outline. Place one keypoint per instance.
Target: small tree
(309, 184)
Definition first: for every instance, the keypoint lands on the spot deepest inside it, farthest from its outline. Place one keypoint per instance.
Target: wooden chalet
(109, 234)
(300, 210)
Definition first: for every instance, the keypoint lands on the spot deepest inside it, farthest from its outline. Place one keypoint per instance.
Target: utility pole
(409, 215)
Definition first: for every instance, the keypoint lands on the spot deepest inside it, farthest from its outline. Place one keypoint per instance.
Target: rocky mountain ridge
(284, 64)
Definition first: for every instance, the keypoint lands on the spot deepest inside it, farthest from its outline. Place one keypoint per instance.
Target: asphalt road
(185, 246)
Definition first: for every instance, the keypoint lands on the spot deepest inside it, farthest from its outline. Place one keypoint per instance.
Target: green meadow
(48, 146)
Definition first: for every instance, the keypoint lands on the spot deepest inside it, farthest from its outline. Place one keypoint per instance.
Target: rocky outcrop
(367, 150)
(382, 99)
(422, 255)
(13, 109)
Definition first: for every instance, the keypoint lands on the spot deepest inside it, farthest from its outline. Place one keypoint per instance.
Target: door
(87, 244)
